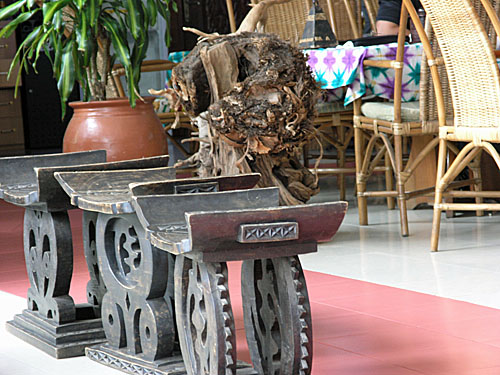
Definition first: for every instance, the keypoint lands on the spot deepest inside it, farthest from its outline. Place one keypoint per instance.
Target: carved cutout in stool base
(173, 365)
(52, 322)
(58, 340)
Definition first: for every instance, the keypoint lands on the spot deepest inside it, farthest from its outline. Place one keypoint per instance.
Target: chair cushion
(338, 106)
(410, 111)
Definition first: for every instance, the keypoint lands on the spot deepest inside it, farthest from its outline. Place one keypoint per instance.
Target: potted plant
(83, 39)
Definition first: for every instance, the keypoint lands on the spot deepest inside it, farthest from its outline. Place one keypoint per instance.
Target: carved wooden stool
(137, 309)
(205, 231)
(137, 251)
(52, 321)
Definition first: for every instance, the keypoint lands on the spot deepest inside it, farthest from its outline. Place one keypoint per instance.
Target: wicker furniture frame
(371, 7)
(473, 73)
(388, 137)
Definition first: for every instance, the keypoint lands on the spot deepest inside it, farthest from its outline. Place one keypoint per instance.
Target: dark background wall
(205, 15)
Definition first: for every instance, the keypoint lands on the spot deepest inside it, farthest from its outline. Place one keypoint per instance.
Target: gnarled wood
(258, 124)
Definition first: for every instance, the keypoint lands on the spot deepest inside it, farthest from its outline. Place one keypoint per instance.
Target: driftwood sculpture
(253, 98)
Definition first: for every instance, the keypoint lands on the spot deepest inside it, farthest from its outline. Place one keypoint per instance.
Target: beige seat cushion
(337, 106)
(410, 111)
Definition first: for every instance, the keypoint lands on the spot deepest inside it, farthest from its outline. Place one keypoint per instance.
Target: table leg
(277, 316)
(52, 321)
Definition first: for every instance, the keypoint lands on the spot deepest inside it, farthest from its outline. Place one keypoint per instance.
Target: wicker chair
(345, 17)
(371, 7)
(377, 137)
(435, 108)
(475, 88)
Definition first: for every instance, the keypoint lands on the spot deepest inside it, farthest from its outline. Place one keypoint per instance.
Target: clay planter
(112, 125)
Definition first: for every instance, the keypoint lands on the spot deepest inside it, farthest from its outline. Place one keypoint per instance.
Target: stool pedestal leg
(53, 322)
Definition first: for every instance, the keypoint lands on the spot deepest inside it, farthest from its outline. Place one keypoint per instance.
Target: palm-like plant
(75, 32)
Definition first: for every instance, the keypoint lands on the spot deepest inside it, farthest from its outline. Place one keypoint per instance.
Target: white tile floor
(467, 268)
(14, 353)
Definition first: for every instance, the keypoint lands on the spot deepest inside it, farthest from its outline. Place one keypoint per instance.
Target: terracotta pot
(112, 125)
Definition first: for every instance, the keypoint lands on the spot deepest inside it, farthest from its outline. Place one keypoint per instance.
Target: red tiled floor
(359, 328)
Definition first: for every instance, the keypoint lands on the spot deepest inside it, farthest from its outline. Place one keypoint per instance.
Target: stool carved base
(172, 365)
(52, 322)
(58, 340)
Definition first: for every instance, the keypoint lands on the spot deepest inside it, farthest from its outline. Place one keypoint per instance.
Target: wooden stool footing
(173, 365)
(57, 340)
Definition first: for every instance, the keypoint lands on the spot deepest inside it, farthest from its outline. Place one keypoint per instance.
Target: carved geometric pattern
(20, 187)
(204, 316)
(304, 311)
(48, 251)
(127, 366)
(272, 232)
(277, 319)
(137, 315)
(178, 228)
(207, 187)
(95, 287)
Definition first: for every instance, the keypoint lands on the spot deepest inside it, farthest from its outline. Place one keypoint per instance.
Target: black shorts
(390, 10)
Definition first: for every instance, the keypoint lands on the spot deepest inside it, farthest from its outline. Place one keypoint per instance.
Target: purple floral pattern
(342, 67)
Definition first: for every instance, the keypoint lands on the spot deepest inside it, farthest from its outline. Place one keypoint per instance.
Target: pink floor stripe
(359, 328)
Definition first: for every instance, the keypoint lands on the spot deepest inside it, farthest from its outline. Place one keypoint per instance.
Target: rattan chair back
(345, 17)
(288, 19)
(471, 65)
(428, 102)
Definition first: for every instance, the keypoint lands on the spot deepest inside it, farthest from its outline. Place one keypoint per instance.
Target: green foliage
(75, 31)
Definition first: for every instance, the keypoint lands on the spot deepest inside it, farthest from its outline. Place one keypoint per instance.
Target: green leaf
(82, 31)
(119, 43)
(12, 9)
(152, 11)
(93, 9)
(58, 50)
(51, 8)
(133, 13)
(66, 79)
(138, 55)
(32, 48)
(174, 6)
(122, 51)
(58, 22)
(48, 53)
(80, 4)
(164, 12)
(42, 43)
(30, 37)
(11, 27)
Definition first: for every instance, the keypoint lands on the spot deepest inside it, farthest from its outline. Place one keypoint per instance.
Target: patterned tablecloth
(341, 72)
